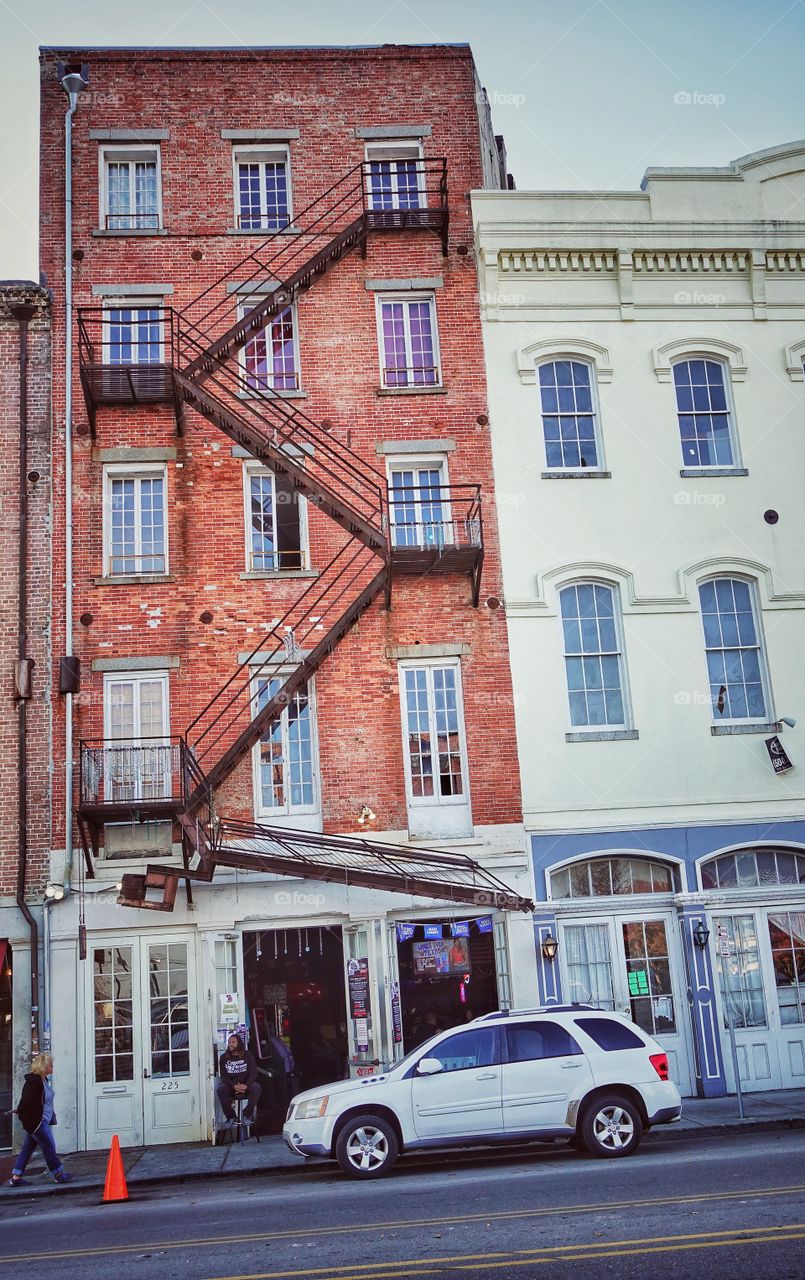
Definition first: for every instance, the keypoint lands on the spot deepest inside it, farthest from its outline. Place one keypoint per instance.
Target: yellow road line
(547, 1254)
(507, 1215)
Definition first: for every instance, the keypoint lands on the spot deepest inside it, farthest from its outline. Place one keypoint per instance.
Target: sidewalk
(158, 1166)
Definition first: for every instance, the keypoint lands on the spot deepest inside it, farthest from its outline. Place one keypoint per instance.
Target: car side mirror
(429, 1067)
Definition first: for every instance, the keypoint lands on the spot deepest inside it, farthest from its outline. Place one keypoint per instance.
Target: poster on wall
(396, 1013)
(442, 959)
(358, 975)
(362, 1033)
(230, 1009)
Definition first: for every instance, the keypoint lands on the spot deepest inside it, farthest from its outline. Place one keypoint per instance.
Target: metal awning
(369, 864)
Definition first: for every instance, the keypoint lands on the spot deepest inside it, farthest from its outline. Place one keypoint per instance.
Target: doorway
(143, 1077)
(444, 982)
(296, 1012)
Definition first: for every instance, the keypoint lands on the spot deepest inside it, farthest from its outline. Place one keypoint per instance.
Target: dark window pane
(610, 1033)
(534, 1040)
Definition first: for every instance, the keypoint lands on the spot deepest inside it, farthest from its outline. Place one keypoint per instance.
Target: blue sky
(587, 92)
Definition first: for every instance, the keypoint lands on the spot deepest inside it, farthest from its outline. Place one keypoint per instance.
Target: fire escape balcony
(138, 780)
(438, 529)
(126, 356)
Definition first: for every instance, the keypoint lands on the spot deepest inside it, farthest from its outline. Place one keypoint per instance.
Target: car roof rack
(545, 1008)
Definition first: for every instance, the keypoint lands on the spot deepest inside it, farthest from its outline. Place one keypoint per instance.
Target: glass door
(171, 1073)
(787, 942)
(114, 1077)
(742, 997)
(652, 971)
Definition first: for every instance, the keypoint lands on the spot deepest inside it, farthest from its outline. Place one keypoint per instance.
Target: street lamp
(550, 946)
(701, 935)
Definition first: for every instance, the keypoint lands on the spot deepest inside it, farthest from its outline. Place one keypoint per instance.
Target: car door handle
(570, 1066)
(488, 1075)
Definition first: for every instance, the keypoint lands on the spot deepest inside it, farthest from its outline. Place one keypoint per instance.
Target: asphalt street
(729, 1207)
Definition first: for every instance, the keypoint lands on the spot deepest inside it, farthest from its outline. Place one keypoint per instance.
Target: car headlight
(311, 1108)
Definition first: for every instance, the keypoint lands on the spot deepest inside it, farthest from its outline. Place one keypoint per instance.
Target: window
(169, 1012)
(609, 1034)
(418, 506)
(135, 521)
(467, 1051)
(589, 964)
(740, 972)
(136, 717)
(285, 754)
(270, 359)
(531, 1041)
(569, 418)
(648, 973)
(262, 189)
(434, 733)
(600, 877)
(732, 643)
(395, 178)
(705, 421)
(133, 333)
(409, 350)
(593, 655)
(130, 189)
(114, 1046)
(753, 868)
(276, 523)
(787, 938)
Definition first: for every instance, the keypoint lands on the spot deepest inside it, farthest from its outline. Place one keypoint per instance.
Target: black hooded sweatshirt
(31, 1106)
(237, 1066)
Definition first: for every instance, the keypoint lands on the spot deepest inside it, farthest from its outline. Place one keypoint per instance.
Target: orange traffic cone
(115, 1187)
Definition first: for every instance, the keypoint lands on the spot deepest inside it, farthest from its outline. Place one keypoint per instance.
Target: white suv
(565, 1071)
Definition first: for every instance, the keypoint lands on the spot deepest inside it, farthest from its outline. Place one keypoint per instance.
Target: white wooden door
(114, 1075)
(743, 982)
(172, 1110)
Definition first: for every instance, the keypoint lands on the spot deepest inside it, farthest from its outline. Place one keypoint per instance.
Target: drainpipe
(73, 84)
(23, 313)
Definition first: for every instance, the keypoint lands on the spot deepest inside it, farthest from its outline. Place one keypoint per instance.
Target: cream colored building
(644, 356)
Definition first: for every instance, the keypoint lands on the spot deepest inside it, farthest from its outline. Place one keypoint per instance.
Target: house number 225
(169, 1085)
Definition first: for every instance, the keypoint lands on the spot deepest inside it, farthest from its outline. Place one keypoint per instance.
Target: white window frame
(135, 678)
(710, 357)
(416, 462)
(132, 471)
(245, 304)
(290, 811)
(437, 800)
(765, 674)
(127, 153)
(430, 298)
(598, 436)
(396, 149)
(251, 468)
(154, 303)
(260, 153)
(623, 671)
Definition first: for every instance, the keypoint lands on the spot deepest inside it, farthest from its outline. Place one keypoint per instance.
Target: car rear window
(610, 1033)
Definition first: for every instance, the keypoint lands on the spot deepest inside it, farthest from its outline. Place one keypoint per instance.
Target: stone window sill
(718, 473)
(731, 730)
(129, 231)
(411, 391)
(272, 395)
(133, 579)
(253, 575)
(604, 735)
(584, 473)
(262, 231)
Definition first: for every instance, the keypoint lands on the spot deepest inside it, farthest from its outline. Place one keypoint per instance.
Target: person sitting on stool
(238, 1071)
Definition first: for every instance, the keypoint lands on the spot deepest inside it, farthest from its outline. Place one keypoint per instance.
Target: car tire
(367, 1147)
(611, 1127)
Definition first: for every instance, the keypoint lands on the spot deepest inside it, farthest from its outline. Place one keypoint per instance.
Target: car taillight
(659, 1062)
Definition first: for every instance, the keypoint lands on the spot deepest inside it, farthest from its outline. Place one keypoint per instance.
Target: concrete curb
(661, 1133)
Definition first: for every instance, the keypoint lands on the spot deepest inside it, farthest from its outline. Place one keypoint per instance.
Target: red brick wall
(39, 587)
(325, 95)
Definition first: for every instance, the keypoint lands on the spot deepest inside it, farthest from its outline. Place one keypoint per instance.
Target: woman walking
(36, 1115)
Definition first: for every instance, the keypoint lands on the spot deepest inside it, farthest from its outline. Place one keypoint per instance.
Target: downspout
(23, 313)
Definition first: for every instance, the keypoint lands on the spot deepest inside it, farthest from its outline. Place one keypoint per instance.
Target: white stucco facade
(699, 265)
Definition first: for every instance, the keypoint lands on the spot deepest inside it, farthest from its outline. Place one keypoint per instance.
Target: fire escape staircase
(206, 370)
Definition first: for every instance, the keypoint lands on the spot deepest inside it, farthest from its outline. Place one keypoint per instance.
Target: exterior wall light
(701, 935)
(550, 946)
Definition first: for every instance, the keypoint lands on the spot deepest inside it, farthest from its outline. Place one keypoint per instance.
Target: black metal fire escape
(196, 361)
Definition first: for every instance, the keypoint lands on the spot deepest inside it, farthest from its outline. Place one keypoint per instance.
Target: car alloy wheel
(367, 1147)
(611, 1127)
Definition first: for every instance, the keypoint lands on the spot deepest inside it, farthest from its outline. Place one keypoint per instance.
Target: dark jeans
(226, 1094)
(42, 1138)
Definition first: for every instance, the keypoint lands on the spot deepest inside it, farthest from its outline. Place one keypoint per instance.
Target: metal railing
(435, 516)
(130, 771)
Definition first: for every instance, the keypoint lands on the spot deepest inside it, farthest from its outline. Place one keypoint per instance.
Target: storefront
(690, 944)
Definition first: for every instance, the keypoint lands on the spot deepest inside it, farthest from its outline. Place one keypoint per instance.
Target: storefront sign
(443, 958)
(638, 983)
(723, 941)
(230, 1009)
(396, 1013)
(358, 974)
(780, 762)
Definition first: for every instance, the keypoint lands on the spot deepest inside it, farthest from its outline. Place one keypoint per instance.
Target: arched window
(753, 868)
(593, 655)
(569, 416)
(705, 419)
(602, 877)
(732, 641)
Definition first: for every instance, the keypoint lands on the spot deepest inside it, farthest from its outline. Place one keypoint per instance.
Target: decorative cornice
(660, 260)
(535, 260)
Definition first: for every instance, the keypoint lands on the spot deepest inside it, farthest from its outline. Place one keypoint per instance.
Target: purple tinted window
(409, 348)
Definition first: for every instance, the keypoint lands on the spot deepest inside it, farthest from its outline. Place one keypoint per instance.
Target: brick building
(25, 585)
(286, 582)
